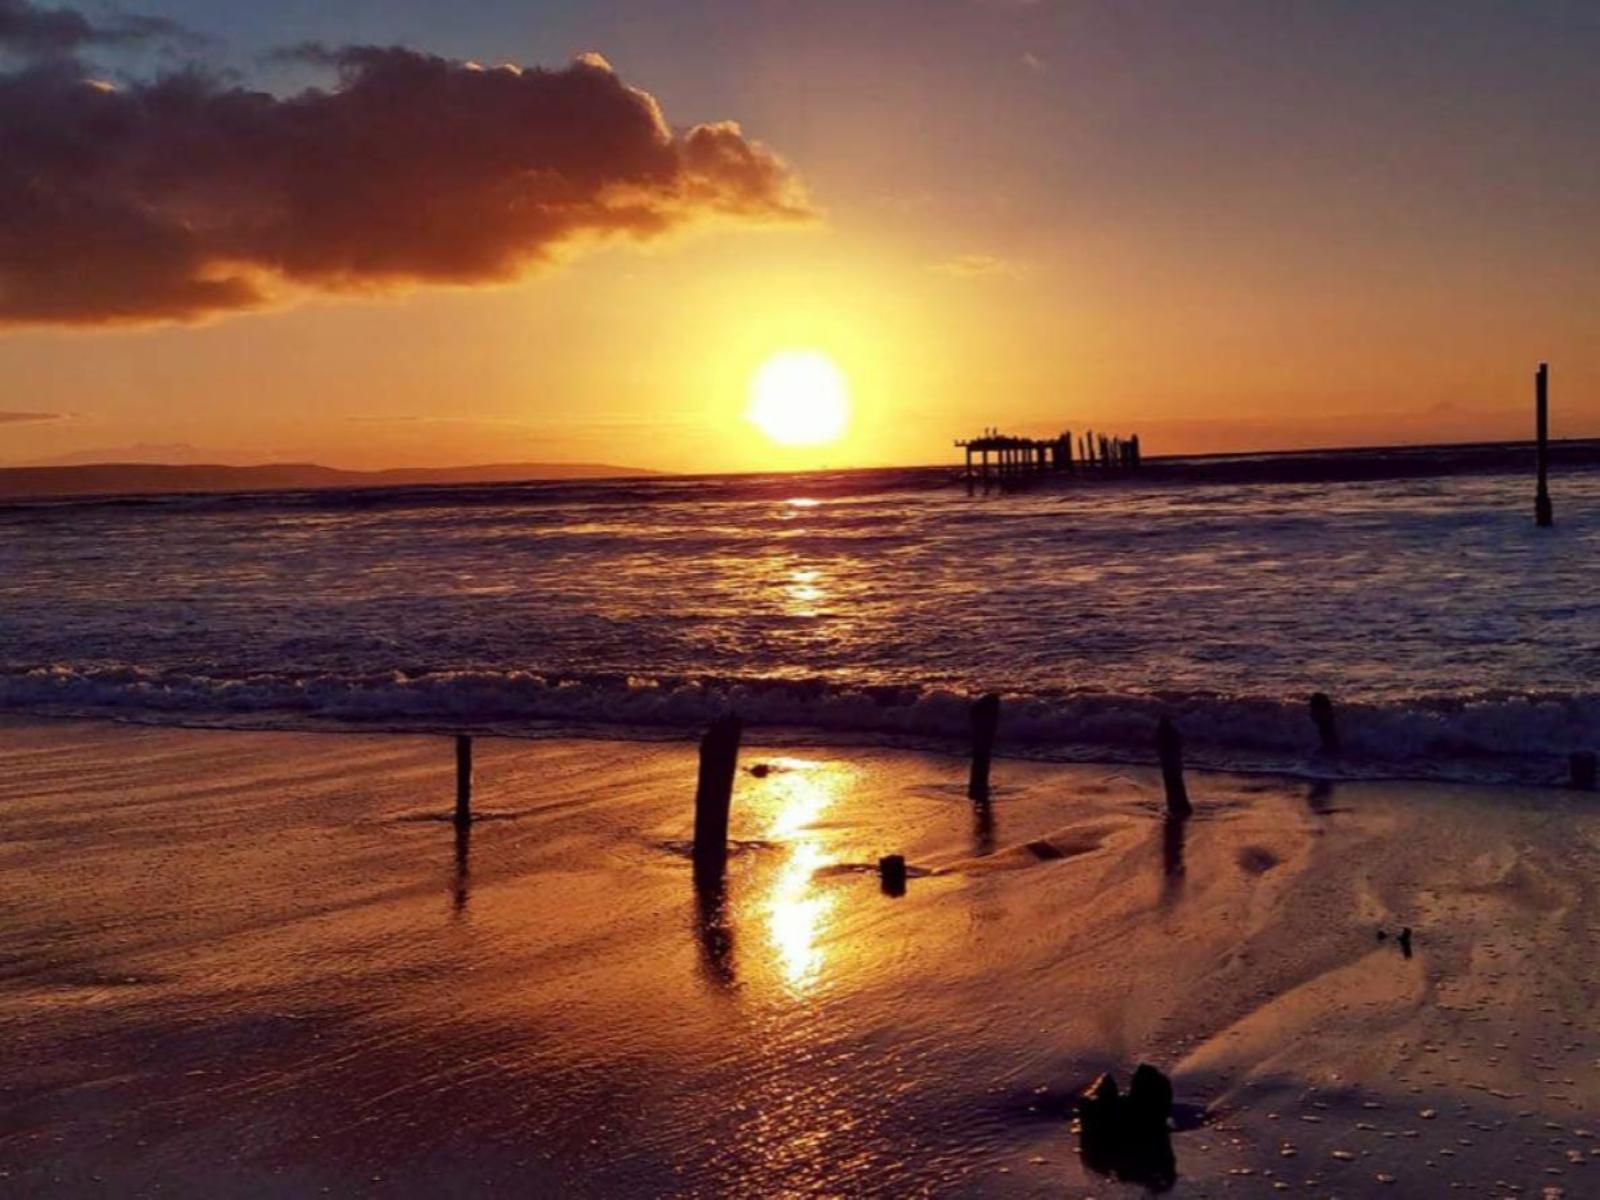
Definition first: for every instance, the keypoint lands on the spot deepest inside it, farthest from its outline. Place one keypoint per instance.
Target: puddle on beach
(237, 964)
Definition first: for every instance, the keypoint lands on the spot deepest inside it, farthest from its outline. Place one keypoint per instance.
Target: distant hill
(125, 479)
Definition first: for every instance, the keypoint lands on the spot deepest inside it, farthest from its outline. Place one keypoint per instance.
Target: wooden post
(985, 723)
(1583, 767)
(892, 873)
(1322, 717)
(463, 779)
(1543, 514)
(1169, 748)
(713, 798)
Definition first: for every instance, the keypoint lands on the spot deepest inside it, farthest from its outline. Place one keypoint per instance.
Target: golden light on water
(805, 592)
(800, 398)
(797, 909)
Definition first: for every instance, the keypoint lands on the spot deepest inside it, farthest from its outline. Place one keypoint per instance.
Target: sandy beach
(263, 964)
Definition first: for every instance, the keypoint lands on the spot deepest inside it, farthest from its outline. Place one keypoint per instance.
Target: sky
(1223, 225)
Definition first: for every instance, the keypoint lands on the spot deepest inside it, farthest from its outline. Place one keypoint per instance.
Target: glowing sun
(799, 398)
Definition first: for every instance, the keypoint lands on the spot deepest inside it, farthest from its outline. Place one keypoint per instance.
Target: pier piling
(1583, 768)
(463, 779)
(1169, 748)
(1543, 514)
(892, 874)
(713, 799)
(985, 724)
(1322, 718)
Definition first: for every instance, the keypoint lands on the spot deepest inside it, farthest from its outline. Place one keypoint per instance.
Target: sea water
(1456, 638)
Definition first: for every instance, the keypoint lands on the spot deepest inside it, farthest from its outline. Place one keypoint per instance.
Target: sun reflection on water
(797, 910)
(804, 591)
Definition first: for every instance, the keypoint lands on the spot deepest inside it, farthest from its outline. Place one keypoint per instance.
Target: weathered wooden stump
(1583, 769)
(1169, 748)
(985, 724)
(463, 779)
(1322, 717)
(1543, 513)
(892, 874)
(713, 799)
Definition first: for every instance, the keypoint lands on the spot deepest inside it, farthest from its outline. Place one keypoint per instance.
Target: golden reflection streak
(803, 592)
(797, 912)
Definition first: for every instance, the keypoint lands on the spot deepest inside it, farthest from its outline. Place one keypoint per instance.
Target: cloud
(184, 197)
(26, 29)
(18, 418)
(975, 266)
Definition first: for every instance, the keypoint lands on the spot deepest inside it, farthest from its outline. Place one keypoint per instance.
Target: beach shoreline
(248, 963)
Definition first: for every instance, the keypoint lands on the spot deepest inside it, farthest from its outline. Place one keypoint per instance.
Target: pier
(1020, 460)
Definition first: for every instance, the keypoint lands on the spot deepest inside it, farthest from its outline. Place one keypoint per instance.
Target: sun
(799, 398)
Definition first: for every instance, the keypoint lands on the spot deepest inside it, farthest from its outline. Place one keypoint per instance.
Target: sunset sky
(1224, 225)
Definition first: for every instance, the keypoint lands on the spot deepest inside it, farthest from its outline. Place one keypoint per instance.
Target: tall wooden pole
(1543, 514)
(713, 798)
(1169, 748)
(463, 780)
(985, 724)
(1322, 718)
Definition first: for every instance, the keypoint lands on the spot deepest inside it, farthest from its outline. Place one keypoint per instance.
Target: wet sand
(263, 964)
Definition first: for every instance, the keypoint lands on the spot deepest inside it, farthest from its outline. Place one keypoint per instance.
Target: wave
(1488, 737)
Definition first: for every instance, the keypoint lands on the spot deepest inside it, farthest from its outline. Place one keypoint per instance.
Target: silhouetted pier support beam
(892, 874)
(1322, 718)
(713, 799)
(985, 724)
(1169, 748)
(1583, 767)
(1543, 514)
(463, 779)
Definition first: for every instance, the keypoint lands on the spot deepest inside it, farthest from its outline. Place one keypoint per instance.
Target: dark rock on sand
(1101, 1106)
(1149, 1101)
(1126, 1137)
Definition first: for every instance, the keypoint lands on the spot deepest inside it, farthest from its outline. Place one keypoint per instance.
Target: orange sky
(1257, 231)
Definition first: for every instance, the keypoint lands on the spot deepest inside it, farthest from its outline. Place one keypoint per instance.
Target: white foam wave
(1492, 736)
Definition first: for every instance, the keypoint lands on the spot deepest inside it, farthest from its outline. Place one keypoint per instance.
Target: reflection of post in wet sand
(983, 834)
(795, 910)
(459, 891)
(1319, 797)
(1173, 831)
(715, 933)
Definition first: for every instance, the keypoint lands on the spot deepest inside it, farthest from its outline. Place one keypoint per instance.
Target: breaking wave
(1487, 737)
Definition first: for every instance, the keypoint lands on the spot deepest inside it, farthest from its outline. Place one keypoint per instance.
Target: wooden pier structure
(1020, 460)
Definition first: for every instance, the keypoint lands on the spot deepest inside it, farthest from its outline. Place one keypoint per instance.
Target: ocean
(1457, 640)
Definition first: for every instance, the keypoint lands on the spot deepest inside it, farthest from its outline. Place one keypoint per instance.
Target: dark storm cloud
(30, 30)
(185, 196)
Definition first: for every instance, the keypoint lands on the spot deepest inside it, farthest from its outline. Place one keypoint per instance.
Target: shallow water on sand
(262, 964)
